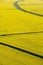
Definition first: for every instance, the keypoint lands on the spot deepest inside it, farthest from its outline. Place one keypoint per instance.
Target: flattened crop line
(38, 32)
(21, 9)
(22, 50)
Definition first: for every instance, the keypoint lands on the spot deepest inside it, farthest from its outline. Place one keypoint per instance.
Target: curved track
(21, 9)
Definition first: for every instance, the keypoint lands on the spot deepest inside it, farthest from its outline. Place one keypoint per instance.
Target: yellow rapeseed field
(21, 32)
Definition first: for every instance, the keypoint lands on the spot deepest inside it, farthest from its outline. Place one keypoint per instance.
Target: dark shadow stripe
(39, 32)
(22, 50)
(21, 9)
